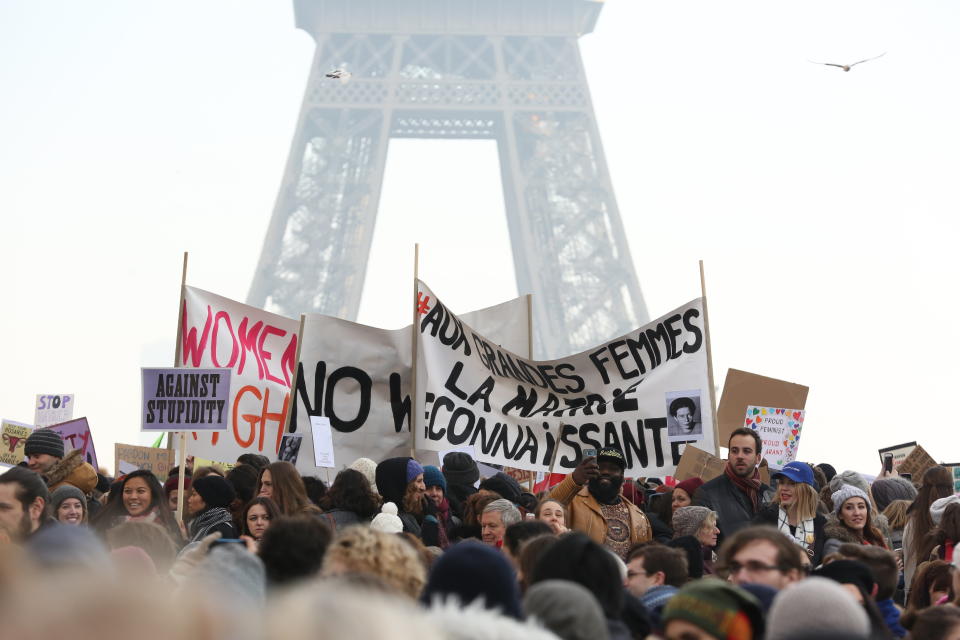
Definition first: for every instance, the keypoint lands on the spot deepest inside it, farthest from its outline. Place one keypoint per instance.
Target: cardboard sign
(697, 463)
(917, 463)
(779, 430)
(742, 389)
(53, 409)
(184, 399)
(204, 462)
(158, 461)
(899, 452)
(15, 436)
(76, 435)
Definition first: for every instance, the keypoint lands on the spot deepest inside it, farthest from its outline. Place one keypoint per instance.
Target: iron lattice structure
(509, 70)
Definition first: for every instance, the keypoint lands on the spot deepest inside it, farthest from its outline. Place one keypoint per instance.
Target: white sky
(824, 202)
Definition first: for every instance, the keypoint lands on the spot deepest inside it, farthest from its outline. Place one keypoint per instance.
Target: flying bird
(847, 67)
(341, 75)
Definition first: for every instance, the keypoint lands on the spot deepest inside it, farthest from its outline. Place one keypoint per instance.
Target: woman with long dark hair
(851, 521)
(937, 483)
(138, 497)
(350, 500)
(940, 543)
(258, 515)
(281, 482)
(934, 581)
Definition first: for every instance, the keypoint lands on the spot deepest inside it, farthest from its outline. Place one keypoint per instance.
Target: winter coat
(340, 518)
(662, 532)
(731, 505)
(73, 470)
(771, 515)
(837, 534)
(586, 516)
(391, 476)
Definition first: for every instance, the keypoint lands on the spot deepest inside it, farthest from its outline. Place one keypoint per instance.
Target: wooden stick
(413, 347)
(713, 393)
(530, 326)
(177, 353)
(180, 479)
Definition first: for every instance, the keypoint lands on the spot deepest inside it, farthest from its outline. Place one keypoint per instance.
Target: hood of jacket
(72, 469)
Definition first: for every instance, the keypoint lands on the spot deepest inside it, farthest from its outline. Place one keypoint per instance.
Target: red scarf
(750, 486)
(948, 550)
(443, 517)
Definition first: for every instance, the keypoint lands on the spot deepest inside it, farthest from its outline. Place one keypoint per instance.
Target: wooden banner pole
(179, 346)
(713, 392)
(415, 329)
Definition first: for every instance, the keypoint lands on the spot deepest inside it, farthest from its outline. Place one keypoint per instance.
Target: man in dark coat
(737, 495)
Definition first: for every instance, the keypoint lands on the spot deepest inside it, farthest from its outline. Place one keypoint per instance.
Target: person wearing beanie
(471, 571)
(940, 544)
(592, 497)
(700, 524)
(462, 474)
(387, 520)
(503, 485)
(400, 481)
(886, 490)
(794, 510)
(715, 610)
(817, 607)
(939, 507)
(857, 578)
(436, 485)
(68, 505)
(682, 495)
(172, 491)
(737, 495)
(43, 449)
(368, 468)
(208, 502)
(567, 609)
(828, 470)
(849, 478)
(851, 521)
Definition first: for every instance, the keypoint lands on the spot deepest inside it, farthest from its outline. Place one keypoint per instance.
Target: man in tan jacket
(592, 496)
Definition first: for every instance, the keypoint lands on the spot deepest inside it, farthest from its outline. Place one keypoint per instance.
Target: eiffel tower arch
(508, 70)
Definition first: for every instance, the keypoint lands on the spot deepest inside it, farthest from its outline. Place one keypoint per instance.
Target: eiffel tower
(508, 70)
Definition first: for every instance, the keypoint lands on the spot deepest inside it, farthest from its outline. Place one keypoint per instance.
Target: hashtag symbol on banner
(423, 303)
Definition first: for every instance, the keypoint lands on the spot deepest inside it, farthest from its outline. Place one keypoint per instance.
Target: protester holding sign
(794, 511)
(738, 495)
(592, 494)
(137, 497)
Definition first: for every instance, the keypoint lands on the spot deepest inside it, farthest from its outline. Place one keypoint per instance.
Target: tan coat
(586, 516)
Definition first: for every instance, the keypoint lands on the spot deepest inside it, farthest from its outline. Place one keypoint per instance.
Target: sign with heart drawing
(779, 429)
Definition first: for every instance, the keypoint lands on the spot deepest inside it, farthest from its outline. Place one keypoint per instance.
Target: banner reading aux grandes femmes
(359, 378)
(641, 392)
(260, 349)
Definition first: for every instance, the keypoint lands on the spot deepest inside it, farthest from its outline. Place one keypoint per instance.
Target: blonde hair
(805, 503)
(896, 514)
(360, 549)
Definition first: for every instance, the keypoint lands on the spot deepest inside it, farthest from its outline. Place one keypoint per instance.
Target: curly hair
(351, 492)
(474, 506)
(360, 549)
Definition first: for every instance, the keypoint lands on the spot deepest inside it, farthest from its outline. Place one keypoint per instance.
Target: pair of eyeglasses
(752, 566)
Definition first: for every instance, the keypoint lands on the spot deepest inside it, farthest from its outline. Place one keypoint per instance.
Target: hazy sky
(824, 202)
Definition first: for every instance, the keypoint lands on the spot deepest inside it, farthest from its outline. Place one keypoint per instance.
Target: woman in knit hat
(137, 496)
(171, 488)
(281, 482)
(886, 490)
(851, 521)
(714, 610)
(350, 500)
(940, 543)
(208, 503)
(682, 495)
(436, 485)
(699, 523)
(69, 505)
(400, 481)
(794, 510)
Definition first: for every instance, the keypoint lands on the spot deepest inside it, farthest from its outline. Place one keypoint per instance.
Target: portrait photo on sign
(683, 415)
(290, 448)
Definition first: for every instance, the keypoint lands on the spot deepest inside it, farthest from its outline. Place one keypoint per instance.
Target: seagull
(341, 75)
(847, 67)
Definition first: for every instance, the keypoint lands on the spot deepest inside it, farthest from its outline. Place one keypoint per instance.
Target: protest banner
(779, 431)
(697, 463)
(157, 461)
(742, 389)
(53, 409)
(516, 411)
(955, 472)
(76, 435)
(15, 436)
(916, 463)
(184, 399)
(899, 453)
(259, 348)
(360, 377)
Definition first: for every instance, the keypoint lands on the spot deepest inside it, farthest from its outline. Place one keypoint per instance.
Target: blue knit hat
(413, 469)
(432, 477)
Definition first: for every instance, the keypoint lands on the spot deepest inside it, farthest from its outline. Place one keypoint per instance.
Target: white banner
(260, 349)
(359, 378)
(646, 392)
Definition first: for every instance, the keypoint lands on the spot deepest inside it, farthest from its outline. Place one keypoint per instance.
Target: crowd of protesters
(397, 549)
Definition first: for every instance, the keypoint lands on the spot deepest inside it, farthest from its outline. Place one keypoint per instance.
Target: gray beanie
(63, 492)
(44, 441)
(566, 608)
(886, 490)
(846, 492)
(939, 506)
(688, 520)
(851, 478)
(816, 606)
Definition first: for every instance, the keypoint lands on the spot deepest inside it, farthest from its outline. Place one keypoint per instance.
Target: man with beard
(23, 504)
(592, 495)
(737, 495)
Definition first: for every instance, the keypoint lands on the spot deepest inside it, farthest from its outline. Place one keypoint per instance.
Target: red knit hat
(690, 485)
(172, 483)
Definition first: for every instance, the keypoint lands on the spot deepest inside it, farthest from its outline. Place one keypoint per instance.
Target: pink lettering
(213, 347)
(248, 342)
(266, 355)
(191, 348)
(289, 360)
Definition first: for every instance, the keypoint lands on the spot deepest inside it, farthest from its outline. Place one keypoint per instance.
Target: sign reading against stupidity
(359, 378)
(779, 429)
(76, 435)
(157, 460)
(53, 409)
(260, 350)
(516, 411)
(184, 399)
(14, 438)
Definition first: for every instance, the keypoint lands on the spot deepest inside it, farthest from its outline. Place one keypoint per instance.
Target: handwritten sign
(742, 389)
(53, 409)
(779, 429)
(129, 457)
(15, 436)
(917, 463)
(185, 399)
(76, 435)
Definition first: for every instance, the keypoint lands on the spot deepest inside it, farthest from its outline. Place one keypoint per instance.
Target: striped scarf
(201, 525)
